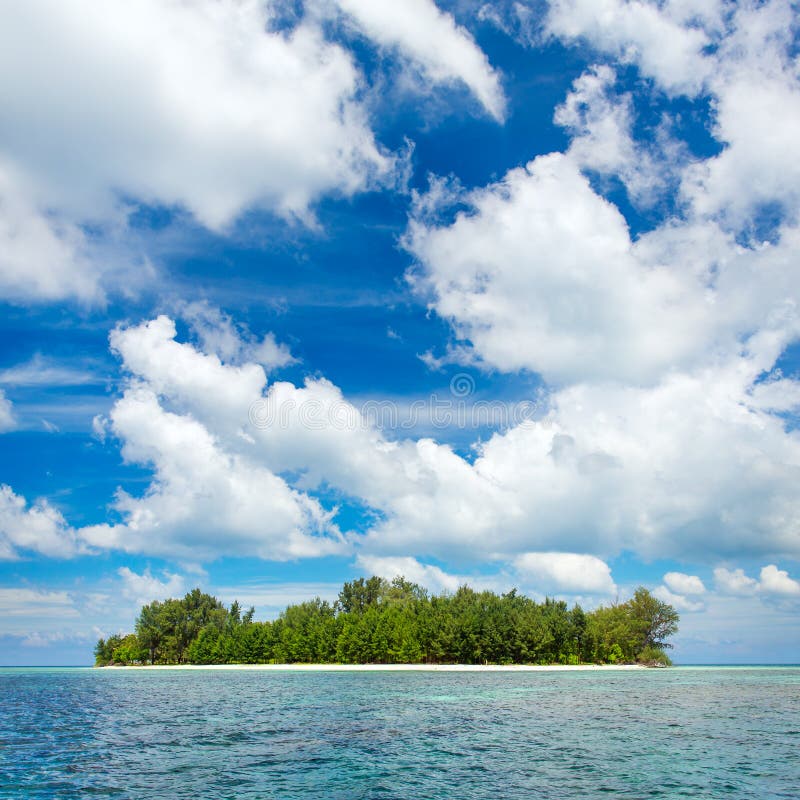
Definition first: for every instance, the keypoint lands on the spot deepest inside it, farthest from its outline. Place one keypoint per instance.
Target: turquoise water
(704, 732)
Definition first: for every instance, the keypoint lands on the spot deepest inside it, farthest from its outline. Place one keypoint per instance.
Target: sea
(704, 732)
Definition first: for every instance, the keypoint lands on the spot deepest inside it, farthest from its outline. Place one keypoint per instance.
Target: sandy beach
(391, 667)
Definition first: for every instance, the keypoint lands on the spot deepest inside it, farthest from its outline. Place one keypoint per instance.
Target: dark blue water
(705, 733)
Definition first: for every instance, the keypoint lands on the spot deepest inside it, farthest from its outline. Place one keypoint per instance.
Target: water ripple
(255, 735)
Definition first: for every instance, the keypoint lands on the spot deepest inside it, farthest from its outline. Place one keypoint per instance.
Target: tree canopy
(379, 621)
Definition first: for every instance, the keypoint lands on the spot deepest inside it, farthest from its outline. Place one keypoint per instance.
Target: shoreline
(387, 667)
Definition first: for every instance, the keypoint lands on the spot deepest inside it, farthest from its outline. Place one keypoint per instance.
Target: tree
(148, 629)
(104, 650)
(204, 649)
(201, 609)
(607, 627)
(577, 619)
(129, 651)
(360, 594)
(654, 620)
(377, 621)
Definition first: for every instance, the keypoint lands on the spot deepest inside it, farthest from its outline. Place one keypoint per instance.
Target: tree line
(375, 621)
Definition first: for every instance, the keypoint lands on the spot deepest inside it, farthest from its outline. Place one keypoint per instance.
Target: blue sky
(497, 293)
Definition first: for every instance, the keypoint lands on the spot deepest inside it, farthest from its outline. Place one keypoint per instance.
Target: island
(376, 621)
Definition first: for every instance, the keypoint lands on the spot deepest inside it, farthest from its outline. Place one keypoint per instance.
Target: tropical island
(375, 621)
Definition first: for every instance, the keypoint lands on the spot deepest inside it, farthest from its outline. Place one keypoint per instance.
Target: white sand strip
(391, 667)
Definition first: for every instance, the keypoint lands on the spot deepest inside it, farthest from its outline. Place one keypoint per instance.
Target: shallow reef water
(684, 732)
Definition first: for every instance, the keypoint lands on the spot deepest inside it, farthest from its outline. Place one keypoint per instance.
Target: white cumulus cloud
(573, 573)
(431, 577)
(220, 334)
(734, 582)
(653, 35)
(542, 275)
(41, 256)
(144, 588)
(205, 502)
(37, 528)
(772, 582)
(680, 583)
(593, 475)
(657, 471)
(683, 591)
(665, 432)
(194, 105)
(679, 601)
(444, 51)
(741, 55)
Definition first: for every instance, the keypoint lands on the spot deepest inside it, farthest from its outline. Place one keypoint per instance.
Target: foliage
(654, 657)
(379, 621)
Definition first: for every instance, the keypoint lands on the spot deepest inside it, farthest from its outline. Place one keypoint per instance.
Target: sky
(497, 293)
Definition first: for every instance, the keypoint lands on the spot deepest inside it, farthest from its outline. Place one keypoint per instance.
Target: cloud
(23, 603)
(595, 474)
(572, 573)
(43, 640)
(772, 582)
(144, 588)
(218, 443)
(738, 630)
(42, 617)
(686, 468)
(659, 350)
(186, 415)
(189, 376)
(734, 582)
(444, 51)
(756, 93)
(777, 582)
(186, 82)
(196, 106)
(682, 591)
(742, 56)
(219, 334)
(431, 577)
(205, 502)
(680, 583)
(7, 419)
(600, 123)
(40, 256)
(592, 474)
(666, 44)
(38, 528)
(42, 371)
(679, 601)
(78, 615)
(270, 599)
(541, 275)
(777, 394)
(538, 250)
(540, 272)
(271, 354)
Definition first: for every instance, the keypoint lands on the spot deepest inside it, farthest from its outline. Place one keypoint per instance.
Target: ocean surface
(684, 732)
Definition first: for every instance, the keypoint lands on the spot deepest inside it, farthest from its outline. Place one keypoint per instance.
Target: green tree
(104, 650)
(356, 596)
(654, 620)
(129, 651)
(577, 630)
(148, 629)
(379, 621)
